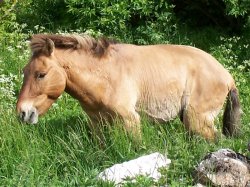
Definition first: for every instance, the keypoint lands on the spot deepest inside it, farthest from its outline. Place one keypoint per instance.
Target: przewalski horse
(114, 79)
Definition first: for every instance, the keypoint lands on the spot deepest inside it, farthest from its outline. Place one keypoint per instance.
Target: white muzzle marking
(28, 113)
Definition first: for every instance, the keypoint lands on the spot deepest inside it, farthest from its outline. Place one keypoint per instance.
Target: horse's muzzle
(29, 115)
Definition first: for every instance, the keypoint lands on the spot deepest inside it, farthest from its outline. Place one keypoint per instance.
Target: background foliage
(60, 151)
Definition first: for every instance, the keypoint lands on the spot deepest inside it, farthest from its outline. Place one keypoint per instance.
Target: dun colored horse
(112, 79)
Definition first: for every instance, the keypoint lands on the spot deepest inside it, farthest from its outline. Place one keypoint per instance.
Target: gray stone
(224, 168)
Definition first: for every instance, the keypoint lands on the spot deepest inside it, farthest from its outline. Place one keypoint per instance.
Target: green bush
(234, 53)
(48, 13)
(237, 7)
(129, 19)
(230, 15)
(139, 21)
(8, 16)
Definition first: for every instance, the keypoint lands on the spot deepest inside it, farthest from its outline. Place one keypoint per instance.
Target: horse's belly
(163, 110)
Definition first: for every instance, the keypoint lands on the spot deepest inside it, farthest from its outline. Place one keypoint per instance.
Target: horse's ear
(49, 46)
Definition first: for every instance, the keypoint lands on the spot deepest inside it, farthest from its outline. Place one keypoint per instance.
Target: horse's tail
(232, 114)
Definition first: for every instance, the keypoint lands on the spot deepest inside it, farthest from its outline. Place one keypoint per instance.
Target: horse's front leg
(132, 123)
(95, 126)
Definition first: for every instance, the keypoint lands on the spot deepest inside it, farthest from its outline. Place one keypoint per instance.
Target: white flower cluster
(230, 53)
(7, 87)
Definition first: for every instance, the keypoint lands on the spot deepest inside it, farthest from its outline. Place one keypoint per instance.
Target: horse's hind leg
(200, 123)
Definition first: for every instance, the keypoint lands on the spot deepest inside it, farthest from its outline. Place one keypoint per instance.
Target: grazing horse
(113, 79)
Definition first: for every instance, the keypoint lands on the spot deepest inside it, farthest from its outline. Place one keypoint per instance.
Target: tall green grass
(61, 150)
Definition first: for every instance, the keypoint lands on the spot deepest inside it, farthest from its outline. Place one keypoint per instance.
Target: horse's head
(44, 81)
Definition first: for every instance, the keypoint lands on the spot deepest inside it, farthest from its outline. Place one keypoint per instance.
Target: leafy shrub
(48, 13)
(234, 53)
(237, 7)
(139, 21)
(8, 16)
(231, 15)
(129, 19)
(10, 29)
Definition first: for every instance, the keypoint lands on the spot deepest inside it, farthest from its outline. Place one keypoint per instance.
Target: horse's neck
(82, 75)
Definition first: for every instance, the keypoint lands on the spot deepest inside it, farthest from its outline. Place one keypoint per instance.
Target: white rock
(147, 165)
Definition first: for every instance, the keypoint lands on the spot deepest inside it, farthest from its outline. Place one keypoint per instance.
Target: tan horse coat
(110, 79)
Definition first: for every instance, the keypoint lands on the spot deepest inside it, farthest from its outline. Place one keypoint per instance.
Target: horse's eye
(40, 75)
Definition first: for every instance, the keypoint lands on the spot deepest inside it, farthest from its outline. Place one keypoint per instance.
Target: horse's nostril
(32, 115)
(22, 115)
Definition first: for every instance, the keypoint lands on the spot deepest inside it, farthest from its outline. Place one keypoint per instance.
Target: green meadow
(61, 151)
